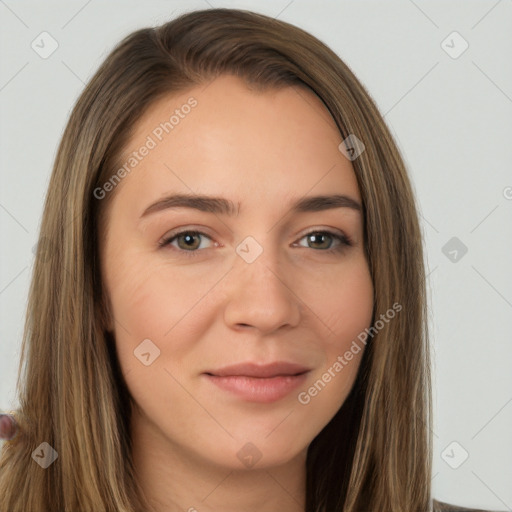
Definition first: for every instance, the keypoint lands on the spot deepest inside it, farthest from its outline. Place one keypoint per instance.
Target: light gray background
(452, 119)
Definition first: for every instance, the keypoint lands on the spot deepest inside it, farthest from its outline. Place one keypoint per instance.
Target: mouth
(259, 383)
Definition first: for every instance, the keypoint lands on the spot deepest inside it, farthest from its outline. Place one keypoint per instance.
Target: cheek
(166, 304)
(345, 306)
(343, 303)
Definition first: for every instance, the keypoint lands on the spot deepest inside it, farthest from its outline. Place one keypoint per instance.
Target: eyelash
(344, 240)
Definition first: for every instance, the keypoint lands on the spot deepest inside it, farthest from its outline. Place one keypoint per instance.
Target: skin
(294, 302)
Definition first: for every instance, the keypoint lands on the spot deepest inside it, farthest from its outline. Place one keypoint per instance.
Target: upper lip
(275, 369)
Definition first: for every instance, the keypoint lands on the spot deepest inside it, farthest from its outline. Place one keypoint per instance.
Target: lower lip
(263, 390)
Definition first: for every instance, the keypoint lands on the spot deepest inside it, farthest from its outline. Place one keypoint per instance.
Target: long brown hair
(375, 454)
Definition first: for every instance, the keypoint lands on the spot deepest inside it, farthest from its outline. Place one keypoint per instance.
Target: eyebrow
(220, 205)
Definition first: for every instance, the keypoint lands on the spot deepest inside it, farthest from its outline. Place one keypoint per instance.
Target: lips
(259, 383)
(275, 369)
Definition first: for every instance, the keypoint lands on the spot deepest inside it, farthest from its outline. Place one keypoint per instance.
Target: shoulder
(440, 506)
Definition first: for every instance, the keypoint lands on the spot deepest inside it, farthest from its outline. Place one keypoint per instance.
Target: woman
(256, 370)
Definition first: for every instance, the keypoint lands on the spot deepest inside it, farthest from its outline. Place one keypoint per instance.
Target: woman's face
(255, 288)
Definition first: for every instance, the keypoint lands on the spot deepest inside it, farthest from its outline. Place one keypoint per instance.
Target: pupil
(189, 240)
(317, 238)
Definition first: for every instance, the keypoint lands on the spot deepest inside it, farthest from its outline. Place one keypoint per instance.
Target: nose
(261, 295)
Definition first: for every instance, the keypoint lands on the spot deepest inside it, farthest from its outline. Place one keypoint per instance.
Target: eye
(187, 241)
(320, 237)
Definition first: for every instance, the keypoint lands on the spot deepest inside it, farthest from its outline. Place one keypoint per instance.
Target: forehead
(226, 139)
